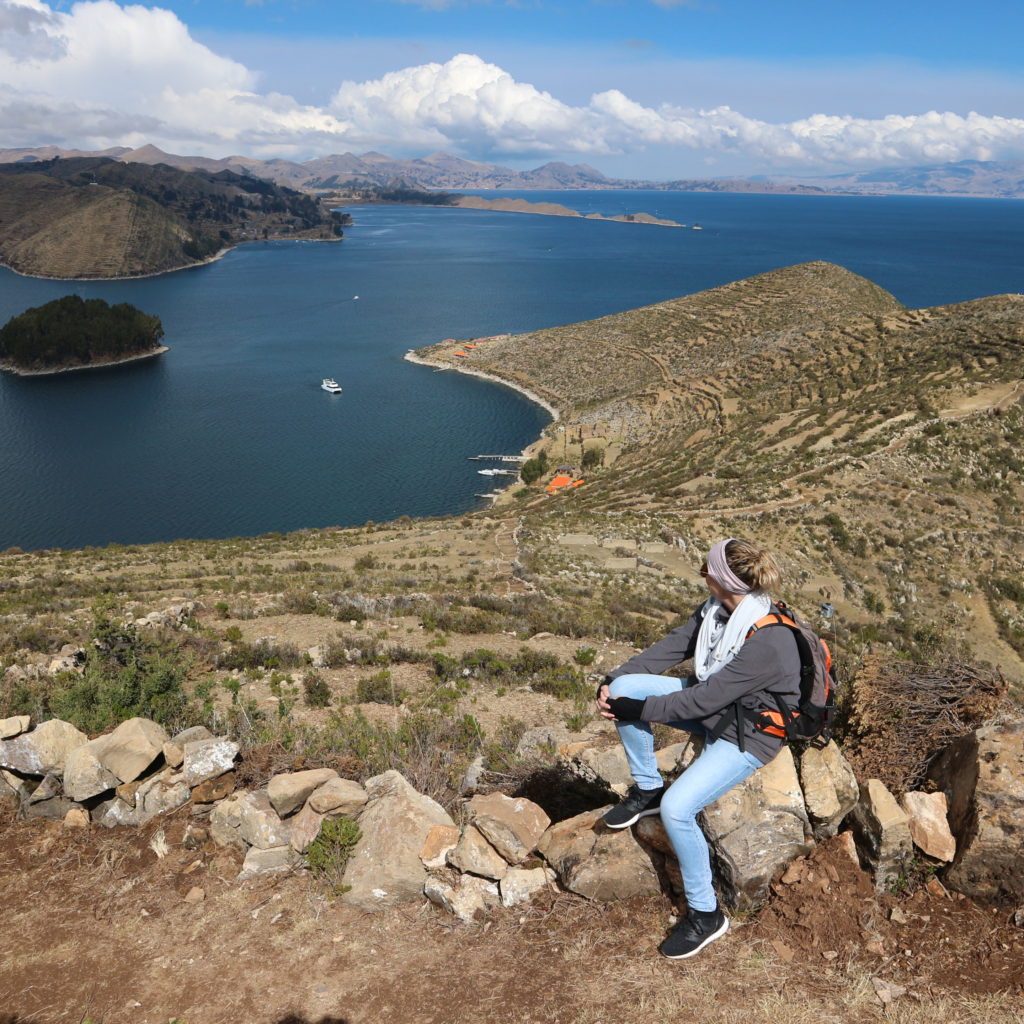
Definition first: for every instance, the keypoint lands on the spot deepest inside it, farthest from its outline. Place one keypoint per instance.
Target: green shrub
(585, 656)
(379, 689)
(315, 690)
(328, 854)
(124, 676)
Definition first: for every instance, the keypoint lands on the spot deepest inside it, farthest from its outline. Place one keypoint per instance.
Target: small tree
(592, 458)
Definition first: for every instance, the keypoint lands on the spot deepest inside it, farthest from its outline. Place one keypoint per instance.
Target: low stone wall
(508, 849)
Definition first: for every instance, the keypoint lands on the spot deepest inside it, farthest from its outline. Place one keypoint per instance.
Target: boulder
(929, 828)
(467, 896)
(473, 854)
(55, 808)
(48, 800)
(16, 785)
(385, 868)
(982, 776)
(756, 829)
(544, 738)
(338, 797)
(521, 884)
(208, 758)
(212, 790)
(77, 817)
(113, 812)
(305, 828)
(441, 839)
(512, 825)
(160, 793)
(288, 791)
(882, 832)
(226, 823)
(10, 727)
(259, 824)
(599, 763)
(597, 862)
(263, 861)
(191, 735)
(830, 788)
(173, 754)
(676, 756)
(44, 750)
(84, 774)
(131, 748)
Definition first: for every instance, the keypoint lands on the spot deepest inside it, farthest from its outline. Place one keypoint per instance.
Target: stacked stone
(508, 849)
(490, 861)
(125, 777)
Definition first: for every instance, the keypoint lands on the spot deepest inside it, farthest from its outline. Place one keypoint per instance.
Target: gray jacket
(767, 662)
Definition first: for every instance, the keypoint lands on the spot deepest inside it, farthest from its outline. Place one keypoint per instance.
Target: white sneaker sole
(636, 818)
(693, 952)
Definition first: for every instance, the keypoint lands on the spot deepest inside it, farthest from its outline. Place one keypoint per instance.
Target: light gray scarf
(717, 642)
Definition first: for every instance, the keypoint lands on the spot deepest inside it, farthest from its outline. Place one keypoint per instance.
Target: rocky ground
(98, 926)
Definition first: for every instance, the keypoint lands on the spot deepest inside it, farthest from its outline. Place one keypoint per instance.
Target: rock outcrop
(982, 777)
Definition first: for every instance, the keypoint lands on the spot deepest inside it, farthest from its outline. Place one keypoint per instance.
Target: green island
(72, 333)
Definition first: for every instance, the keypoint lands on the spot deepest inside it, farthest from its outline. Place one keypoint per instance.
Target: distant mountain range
(445, 171)
(965, 178)
(437, 171)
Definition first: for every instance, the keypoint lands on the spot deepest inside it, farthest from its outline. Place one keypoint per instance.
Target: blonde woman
(735, 671)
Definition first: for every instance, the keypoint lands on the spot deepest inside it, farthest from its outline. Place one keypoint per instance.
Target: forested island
(72, 333)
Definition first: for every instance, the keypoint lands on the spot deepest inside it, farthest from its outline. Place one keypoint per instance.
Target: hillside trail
(97, 926)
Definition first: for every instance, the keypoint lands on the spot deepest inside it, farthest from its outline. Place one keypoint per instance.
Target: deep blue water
(229, 433)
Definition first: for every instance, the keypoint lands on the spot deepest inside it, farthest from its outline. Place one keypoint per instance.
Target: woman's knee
(624, 686)
(638, 685)
(680, 806)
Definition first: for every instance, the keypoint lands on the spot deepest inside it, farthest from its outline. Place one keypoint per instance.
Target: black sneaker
(693, 933)
(636, 804)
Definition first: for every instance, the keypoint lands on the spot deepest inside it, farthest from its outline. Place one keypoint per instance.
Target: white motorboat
(330, 384)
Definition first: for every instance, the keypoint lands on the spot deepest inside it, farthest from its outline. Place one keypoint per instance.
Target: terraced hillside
(877, 447)
(100, 218)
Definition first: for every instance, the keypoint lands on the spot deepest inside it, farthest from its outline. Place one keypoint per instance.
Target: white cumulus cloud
(102, 74)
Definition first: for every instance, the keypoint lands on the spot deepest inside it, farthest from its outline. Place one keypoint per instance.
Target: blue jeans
(719, 767)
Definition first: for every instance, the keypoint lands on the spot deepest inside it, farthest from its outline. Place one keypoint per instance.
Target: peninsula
(555, 210)
(76, 334)
(95, 217)
(809, 405)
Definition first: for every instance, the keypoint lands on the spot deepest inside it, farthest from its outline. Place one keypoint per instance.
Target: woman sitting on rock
(731, 665)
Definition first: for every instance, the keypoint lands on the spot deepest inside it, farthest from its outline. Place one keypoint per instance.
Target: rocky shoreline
(532, 395)
(98, 365)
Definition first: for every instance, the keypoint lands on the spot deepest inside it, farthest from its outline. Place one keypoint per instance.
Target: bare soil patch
(97, 925)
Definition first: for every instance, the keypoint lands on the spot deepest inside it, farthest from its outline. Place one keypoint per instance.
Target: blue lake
(229, 433)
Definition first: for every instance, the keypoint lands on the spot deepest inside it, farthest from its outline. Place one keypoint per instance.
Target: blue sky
(641, 88)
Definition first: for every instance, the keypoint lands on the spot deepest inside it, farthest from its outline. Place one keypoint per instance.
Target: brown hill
(875, 446)
(102, 218)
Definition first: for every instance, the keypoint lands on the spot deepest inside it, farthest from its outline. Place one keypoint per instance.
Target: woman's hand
(602, 702)
(626, 709)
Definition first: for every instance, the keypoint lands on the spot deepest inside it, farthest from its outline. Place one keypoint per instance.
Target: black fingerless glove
(626, 709)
